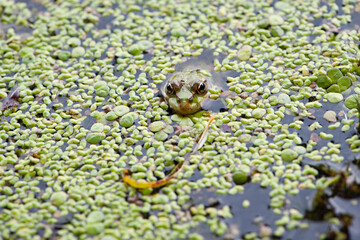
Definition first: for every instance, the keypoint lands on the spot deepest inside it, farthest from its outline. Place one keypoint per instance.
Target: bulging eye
(202, 88)
(170, 89)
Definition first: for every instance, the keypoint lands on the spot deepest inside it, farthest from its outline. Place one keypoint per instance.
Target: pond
(81, 104)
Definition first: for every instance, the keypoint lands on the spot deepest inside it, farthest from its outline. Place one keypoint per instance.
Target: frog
(187, 91)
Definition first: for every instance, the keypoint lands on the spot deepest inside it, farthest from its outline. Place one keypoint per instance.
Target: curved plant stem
(155, 184)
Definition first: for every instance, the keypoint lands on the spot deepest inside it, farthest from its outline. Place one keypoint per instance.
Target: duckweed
(102, 90)
(334, 88)
(88, 107)
(352, 101)
(330, 116)
(127, 120)
(246, 203)
(258, 113)
(288, 155)
(58, 198)
(334, 97)
(283, 98)
(94, 228)
(334, 74)
(157, 126)
(244, 53)
(239, 177)
(178, 31)
(121, 110)
(95, 216)
(334, 81)
(26, 51)
(145, 44)
(275, 20)
(78, 52)
(135, 49)
(95, 138)
(344, 83)
(111, 116)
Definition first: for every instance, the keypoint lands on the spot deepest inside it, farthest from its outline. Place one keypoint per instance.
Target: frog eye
(202, 88)
(169, 89)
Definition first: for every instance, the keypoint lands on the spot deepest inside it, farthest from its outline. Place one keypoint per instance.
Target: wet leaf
(330, 116)
(334, 74)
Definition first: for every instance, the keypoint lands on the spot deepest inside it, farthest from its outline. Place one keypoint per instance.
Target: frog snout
(184, 93)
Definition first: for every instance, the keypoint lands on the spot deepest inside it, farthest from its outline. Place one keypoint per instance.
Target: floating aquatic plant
(334, 81)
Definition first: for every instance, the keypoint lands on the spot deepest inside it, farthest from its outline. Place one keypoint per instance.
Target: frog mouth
(187, 106)
(184, 106)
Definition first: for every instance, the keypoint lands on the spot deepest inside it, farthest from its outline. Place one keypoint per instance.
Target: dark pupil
(169, 88)
(202, 87)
